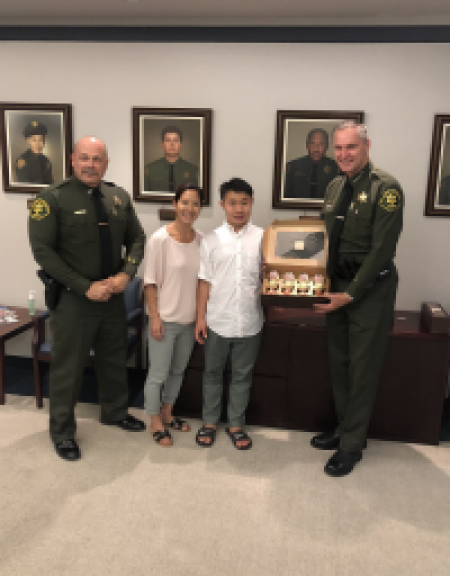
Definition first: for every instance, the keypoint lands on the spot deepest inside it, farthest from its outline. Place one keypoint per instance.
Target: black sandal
(160, 435)
(238, 436)
(177, 424)
(206, 432)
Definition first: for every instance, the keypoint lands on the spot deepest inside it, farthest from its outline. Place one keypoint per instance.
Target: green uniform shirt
(299, 174)
(444, 192)
(372, 225)
(156, 174)
(34, 168)
(64, 233)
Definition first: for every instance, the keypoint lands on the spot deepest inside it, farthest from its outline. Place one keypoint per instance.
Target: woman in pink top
(172, 261)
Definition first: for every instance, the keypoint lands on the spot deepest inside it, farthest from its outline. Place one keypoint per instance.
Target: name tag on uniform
(80, 212)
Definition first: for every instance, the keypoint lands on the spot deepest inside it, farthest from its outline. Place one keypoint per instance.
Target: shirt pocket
(118, 222)
(78, 228)
(359, 224)
(251, 264)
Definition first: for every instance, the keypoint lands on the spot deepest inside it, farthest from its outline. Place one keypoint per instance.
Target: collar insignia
(362, 197)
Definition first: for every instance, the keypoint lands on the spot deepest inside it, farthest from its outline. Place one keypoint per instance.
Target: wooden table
(8, 331)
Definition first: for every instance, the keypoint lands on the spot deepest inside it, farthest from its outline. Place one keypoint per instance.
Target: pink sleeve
(153, 272)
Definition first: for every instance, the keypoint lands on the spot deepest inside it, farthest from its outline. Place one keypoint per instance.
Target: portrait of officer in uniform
(304, 158)
(443, 187)
(171, 146)
(437, 200)
(444, 192)
(36, 142)
(309, 175)
(171, 170)
(32, 165)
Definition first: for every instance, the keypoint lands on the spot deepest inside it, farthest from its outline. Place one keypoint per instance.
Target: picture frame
(171, 146)
(437, 200)
(304, 163)
(36, 142)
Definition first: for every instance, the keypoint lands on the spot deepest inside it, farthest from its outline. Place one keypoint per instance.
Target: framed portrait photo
(437, 201)
(304, 162)
(36, 142)
(171, 146)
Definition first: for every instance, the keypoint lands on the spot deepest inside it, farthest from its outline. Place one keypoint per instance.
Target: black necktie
(335, 235)
(313, 185)
(171, 184)
(106, 256)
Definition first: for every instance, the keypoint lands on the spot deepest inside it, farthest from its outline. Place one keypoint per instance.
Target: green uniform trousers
(357, 339)
(79, 325)
(243, 352)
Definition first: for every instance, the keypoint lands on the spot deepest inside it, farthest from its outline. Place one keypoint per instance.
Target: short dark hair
(318, 131)
(235, 185)
(172, 130)
(188, 186)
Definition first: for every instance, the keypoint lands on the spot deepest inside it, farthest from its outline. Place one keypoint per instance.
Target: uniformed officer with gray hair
(33, 166)
(169, 172)
(78, 230)
(363, 213)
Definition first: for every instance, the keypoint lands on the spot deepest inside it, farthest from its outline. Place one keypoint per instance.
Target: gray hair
(361, 128)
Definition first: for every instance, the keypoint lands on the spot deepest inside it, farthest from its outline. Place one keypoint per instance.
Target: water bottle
(31, 303)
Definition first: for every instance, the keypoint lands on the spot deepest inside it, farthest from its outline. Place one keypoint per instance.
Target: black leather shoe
(326, 441)
(129, 423)
(342, 463)
(68, 449)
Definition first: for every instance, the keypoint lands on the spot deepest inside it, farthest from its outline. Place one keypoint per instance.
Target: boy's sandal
(160, 435)
(177, 424)
(238, 436)
(206, 432)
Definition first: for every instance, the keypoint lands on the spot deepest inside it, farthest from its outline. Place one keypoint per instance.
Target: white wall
(400, 88)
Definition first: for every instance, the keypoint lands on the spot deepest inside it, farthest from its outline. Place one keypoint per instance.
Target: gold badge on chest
(362, 197)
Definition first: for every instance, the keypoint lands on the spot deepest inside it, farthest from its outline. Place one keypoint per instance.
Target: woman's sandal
(238, 436)
(177, 424)
(161, 435)
(206, 432)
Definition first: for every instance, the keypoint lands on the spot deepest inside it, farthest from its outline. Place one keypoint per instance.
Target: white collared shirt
(231, 263)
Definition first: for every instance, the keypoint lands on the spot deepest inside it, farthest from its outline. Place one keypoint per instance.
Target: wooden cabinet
(292, 381)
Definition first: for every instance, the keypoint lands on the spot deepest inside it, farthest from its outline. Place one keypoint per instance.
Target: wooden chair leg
(38, 384)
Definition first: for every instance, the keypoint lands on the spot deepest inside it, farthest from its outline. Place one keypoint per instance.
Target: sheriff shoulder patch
(390, 200)
(21, 163)
(39, 209)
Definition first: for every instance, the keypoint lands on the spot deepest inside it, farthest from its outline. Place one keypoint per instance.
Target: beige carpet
(132, 507)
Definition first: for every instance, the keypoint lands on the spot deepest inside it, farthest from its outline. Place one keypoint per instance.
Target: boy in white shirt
(229, 314)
